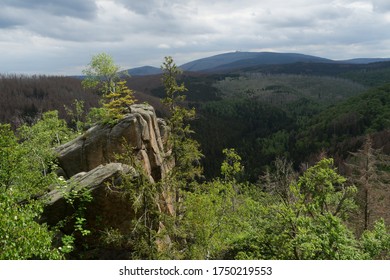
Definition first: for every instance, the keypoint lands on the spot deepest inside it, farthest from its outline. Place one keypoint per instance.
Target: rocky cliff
(90, 162)
(140, 129)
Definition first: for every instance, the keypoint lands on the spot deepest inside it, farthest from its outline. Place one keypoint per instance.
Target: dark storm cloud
(57, 19)
(158, 17)
(6, 21)
(72, 8)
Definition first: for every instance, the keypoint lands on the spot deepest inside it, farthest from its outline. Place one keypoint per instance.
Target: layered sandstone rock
(106, 203)
(100, 144)
(91, 163)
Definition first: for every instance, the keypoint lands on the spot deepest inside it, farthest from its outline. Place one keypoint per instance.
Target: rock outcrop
(140, 129)
(90, 162)
(107, 204)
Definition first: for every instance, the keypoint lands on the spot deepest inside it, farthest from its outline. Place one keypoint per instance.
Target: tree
(117, 103)
(314, 218)
(143, 194)
(215, 213)
(185, 150)
(278, 181)
(21, 237)
(77, 115)
(368, 171)
(26, 172)
(231, 167)
(103, 74)
(309, 225)
(376, 243)
(173, 91)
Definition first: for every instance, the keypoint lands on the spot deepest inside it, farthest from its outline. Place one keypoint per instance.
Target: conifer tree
(117, 103)
(368, 172)
(185, 150)
(185, 153)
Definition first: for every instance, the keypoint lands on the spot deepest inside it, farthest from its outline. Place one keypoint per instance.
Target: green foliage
(283, 89)
(28, 161)
(214, 216)
(185, 154)
(104, 75)
(117, 103)
(185, 150)
(78, 199)
(376, 243)
(307, 226)
(216, 213)
(101, 73)
(97, 115)
(275, 144)
(360, 115)
(172, 89)
(35, 170)
(323, 191)
(144, 196)
(26, 171)
(77, 115)
(67, 244)
(21, 237)
(9, 159)
(231, 167)
(50, 131)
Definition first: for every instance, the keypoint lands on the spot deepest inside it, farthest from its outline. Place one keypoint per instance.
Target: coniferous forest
(288, 161)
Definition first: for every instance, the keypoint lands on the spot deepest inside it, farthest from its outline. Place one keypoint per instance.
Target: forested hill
(25, 98)
(239, 60)
(339, 129)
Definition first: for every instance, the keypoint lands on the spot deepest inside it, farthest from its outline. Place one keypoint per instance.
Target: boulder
(106, 203)
(100, 144)
(109, 209)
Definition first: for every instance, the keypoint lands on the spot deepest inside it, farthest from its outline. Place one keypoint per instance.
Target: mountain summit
(239, 60)
(236, 60)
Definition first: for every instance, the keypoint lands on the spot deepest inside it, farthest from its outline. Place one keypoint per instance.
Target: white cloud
(163, 46)
(56, 36)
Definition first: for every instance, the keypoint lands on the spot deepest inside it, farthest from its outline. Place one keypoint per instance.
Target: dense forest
(274, 162)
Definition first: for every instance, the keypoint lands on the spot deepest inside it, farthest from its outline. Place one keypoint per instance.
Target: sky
(59, 37)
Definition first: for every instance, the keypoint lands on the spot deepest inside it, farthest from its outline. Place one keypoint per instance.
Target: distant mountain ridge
(365, 60)
(240, 60)
(247, 59)
(143, 71)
